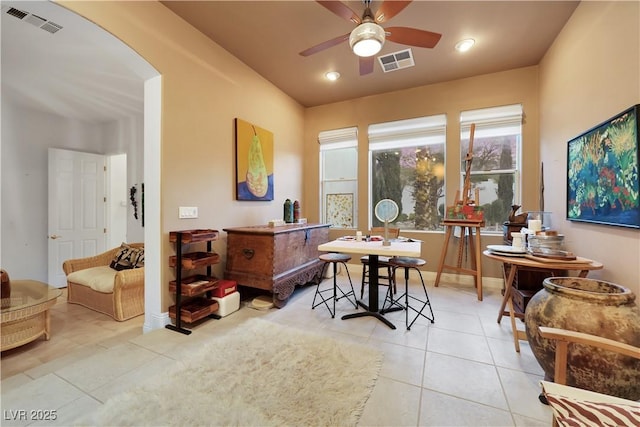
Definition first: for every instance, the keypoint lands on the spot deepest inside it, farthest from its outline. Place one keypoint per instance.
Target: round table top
(552, 264)
(28, 293)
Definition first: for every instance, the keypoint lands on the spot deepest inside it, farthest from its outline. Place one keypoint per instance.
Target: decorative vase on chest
(593, 307)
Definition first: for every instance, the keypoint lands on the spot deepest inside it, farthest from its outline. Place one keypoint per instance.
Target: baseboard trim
(155, 321)
(464, 279)
(430, 278)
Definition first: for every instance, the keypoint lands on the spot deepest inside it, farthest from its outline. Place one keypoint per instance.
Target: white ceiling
(83, 72)
(80, 71)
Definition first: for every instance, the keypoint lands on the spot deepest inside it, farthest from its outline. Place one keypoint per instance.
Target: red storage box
(224, 288)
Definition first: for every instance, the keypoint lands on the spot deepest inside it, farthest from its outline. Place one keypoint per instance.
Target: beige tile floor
(461, 370)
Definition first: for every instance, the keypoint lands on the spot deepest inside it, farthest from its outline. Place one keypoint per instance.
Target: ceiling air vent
(17, 13)
(51, 27)
(35, 20)
(396, 61)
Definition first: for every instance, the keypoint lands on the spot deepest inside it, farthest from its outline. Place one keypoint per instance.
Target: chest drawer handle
(248, 253)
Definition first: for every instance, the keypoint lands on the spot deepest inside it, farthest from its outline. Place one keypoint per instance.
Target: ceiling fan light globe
(367, 48)
(367, 39)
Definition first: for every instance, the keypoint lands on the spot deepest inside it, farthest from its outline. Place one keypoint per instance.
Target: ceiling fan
(369, 36)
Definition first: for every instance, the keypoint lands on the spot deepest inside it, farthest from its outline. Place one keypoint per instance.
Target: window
(406, 164)
(339, 177)
(495, 168)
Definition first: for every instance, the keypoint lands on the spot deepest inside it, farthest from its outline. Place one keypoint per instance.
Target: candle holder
(543, 216)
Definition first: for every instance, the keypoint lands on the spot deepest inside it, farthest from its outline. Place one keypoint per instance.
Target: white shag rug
(259, 374)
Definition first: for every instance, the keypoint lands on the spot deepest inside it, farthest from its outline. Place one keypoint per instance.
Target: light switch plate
(185, 212)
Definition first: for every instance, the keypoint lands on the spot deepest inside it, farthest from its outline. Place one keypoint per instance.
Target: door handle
(54, 236)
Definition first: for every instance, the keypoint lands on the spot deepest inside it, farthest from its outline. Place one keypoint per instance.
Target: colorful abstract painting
(340, 210)
(254, 162)
(602, 173)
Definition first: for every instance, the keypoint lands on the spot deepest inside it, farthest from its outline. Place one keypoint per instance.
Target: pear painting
(257, 182)
(254, 162)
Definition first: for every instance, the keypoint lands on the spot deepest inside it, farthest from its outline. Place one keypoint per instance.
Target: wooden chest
(275, 259)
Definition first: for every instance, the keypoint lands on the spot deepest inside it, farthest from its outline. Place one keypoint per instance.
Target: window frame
(494, 121)
(338, 139)
(407, 133)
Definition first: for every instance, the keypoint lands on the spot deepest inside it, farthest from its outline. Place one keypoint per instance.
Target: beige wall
(203, 89)
(511, 87)
(591, 73)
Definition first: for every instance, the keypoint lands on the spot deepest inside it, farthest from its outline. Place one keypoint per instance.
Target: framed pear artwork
(254, 162)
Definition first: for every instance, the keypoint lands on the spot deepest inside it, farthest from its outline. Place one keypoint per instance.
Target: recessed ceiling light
(465, 45)
(332, 75)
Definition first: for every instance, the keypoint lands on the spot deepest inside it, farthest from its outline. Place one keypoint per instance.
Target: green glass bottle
(288, 211)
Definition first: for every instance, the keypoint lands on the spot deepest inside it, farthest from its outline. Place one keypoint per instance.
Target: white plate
(506, 249)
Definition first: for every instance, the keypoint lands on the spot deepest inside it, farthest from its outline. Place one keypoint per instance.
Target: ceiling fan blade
(342, 10)
(366, 65)
(389, 9)
(325, 45)
(412, 36)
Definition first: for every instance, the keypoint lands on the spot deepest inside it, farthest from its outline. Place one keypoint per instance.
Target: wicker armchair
(126, 300)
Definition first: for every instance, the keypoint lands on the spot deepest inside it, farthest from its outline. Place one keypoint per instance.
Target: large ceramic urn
(593, 307)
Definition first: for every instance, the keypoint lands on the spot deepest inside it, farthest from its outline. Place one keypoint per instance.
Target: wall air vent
(396, 61)
(35, 20)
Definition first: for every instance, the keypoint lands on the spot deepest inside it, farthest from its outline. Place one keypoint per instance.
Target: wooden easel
(467, 226)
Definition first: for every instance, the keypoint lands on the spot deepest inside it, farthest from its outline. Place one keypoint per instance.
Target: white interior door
(117, 200)
(76, 209)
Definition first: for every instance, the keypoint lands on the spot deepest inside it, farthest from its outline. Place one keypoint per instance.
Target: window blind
(503, 120)
(408, 133)
(338, 138)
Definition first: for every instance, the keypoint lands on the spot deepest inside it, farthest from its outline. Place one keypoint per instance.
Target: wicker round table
(25, 314)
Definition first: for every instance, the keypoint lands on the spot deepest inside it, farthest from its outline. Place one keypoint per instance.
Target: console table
(582, 265)
(275, 259)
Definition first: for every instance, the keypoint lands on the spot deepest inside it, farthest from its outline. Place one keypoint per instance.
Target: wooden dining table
(511, 264)
(373, 249)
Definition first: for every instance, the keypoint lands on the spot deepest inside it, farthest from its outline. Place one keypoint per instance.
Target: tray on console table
(276, 259)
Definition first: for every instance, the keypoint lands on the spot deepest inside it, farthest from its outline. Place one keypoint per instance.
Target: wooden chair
(556, 392)
(383, 262)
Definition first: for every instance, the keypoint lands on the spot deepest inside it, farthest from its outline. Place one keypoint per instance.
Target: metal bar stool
(334, 258)
(383, 262)
(384, 279)
(408, 263)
